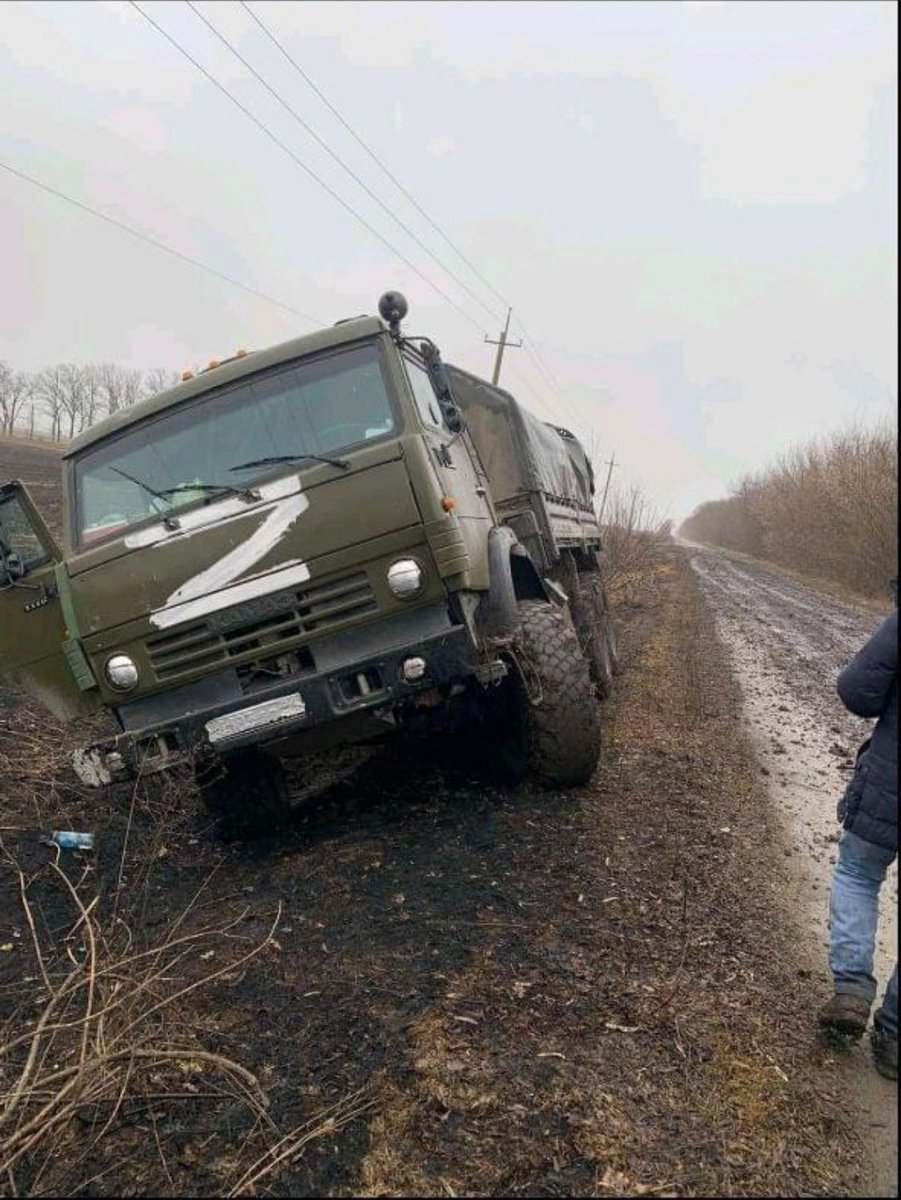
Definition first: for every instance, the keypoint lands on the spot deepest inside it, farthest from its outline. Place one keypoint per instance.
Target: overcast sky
(691, 206)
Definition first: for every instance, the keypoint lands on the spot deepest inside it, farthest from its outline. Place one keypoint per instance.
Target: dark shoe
(885, 1052)
(846, 1013)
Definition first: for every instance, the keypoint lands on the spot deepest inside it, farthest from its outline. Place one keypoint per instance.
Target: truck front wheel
(245, 790)
(548, 721)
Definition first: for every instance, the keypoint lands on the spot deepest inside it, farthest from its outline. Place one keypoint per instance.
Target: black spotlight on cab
(393, 309)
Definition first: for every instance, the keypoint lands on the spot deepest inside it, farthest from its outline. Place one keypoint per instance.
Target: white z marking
(215, 587)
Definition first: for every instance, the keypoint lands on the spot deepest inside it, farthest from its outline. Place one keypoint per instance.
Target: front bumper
(356, 672)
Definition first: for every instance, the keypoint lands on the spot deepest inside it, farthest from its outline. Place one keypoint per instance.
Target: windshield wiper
(140, 483)
(248, 493)
(162, 493)
(203, 487)
(287, 458)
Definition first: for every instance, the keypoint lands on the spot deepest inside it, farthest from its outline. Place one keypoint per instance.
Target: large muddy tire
(591, 617)
(246, 791)
(548, 724)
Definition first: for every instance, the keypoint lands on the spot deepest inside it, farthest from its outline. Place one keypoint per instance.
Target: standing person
(868, 811)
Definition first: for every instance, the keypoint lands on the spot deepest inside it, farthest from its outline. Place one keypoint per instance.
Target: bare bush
(632, 532)
(104, 1032)
(828, 509)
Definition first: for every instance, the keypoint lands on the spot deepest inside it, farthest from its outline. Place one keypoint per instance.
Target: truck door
(36, 652)
(455, 461)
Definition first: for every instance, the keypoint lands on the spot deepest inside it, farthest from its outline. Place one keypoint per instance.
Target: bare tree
(91, 397)
(72, 397)
(120, 386)
(50, 388)
(159, 379)
(74, 383)
(15, 390)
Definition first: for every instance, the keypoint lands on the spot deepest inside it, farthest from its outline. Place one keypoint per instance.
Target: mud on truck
(310, 547)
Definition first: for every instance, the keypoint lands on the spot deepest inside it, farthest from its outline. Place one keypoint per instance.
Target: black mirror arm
(453, 418)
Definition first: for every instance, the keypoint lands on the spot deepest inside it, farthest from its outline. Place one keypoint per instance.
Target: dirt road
(788, 643)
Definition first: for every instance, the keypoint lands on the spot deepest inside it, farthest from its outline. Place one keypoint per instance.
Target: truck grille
(243, 633)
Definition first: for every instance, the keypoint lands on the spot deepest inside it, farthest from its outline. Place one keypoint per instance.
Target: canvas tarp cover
(520, 452)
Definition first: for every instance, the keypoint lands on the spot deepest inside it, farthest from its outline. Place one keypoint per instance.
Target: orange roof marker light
(186, 375)
(214, 362)
(240, 354)
(448, 503)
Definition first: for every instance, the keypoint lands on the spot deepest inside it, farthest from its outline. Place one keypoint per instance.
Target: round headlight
(121, 672)
(405, 578)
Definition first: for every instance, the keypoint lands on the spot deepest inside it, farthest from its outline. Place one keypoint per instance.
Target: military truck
(310, 547)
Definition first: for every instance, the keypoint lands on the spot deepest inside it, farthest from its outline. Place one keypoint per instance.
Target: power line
(375, 158)
(151, 241)
(548, 377)
(156, 244)
(337, 158)
(531, 346)
(542, 371)
(194, 262)
(300, 163)
(530, 387)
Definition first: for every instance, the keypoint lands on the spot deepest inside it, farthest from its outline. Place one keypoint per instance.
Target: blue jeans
(853, 913)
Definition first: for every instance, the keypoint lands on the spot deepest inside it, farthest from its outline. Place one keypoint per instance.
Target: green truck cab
(307, 547)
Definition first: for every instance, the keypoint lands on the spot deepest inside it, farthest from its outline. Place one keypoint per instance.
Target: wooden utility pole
(501, 343)
(611, 463)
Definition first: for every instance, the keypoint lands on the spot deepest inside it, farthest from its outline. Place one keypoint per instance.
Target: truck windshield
(319, 408)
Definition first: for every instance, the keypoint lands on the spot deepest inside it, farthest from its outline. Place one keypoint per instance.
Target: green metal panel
(79, 665)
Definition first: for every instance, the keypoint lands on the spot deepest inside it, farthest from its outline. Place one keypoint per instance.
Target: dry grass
(89, 1035)
(828, 509)
(104, 1041)
(641, 1030)
(633, 531)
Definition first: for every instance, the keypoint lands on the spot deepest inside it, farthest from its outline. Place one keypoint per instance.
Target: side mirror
(453, 418)
(12, 569)
(25, 541)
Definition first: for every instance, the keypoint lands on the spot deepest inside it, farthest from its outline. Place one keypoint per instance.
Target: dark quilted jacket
(869, 687)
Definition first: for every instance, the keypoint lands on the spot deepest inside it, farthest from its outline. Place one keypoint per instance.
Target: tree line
(828, 508)
(64, 399)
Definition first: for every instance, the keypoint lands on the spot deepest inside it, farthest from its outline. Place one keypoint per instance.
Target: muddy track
(788, 644)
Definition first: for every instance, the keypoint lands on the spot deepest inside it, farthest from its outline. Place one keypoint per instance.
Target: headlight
(405, 578)
(121, 672)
